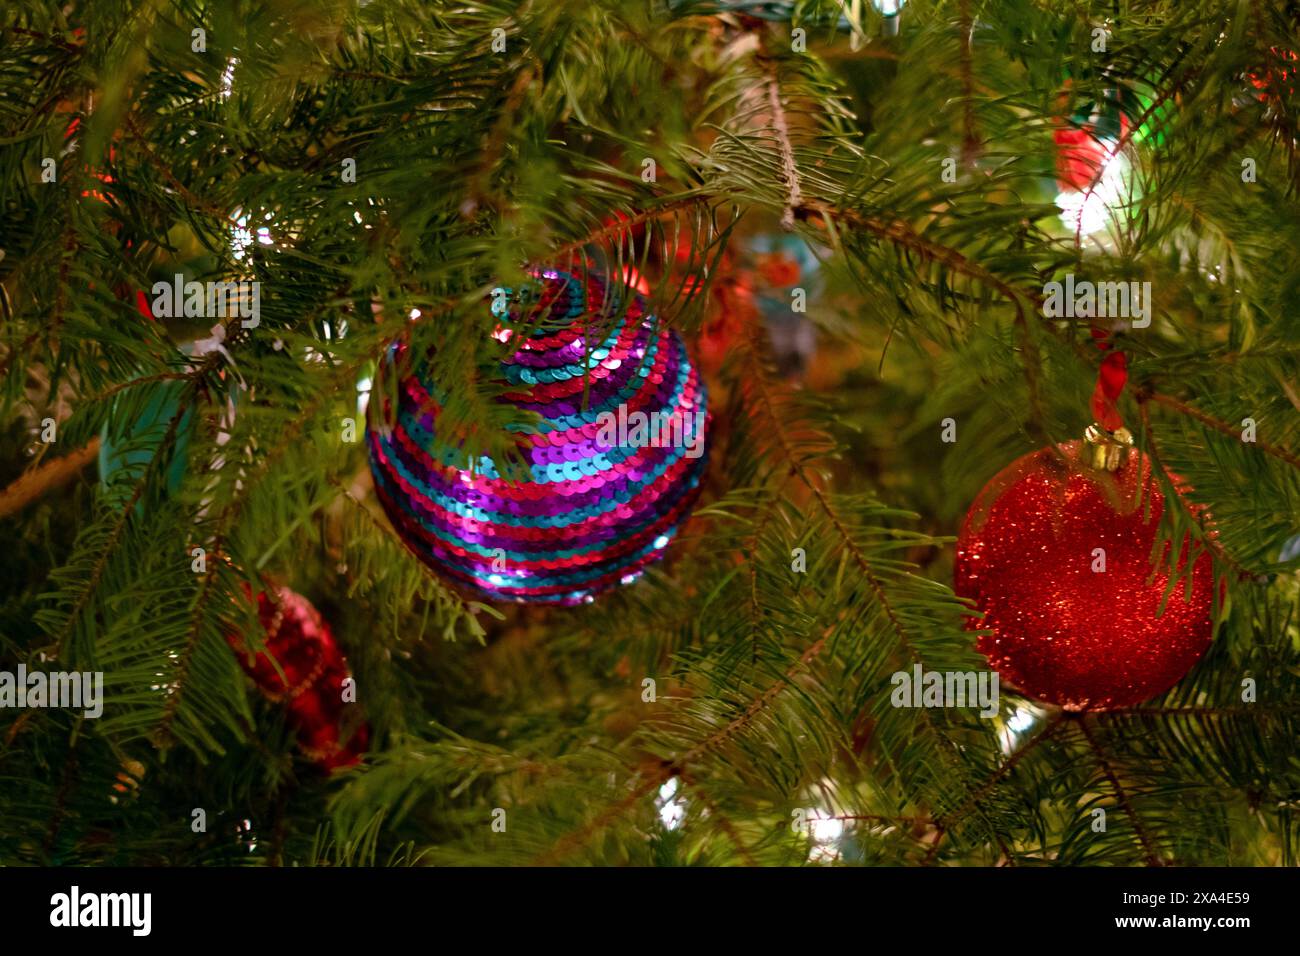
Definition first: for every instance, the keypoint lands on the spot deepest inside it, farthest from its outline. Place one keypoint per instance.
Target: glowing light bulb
(672, 810)
(1092, 211)
(228, 78)
(1017, 725)
(363, 395)
(826, 831)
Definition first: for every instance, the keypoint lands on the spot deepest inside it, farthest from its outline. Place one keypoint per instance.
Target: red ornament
(1085, 142)
(733, 315)
(309, 677)
(1080, 156)
(70, 142)
(1278, 74)
(142, 305)
(1063, 629)
(779, 269)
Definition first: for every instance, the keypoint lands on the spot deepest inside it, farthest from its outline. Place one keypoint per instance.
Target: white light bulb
(1092, 211)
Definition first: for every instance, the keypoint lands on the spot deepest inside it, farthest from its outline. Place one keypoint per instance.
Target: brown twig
(1048, 731)
(137, 134)
(755, 610)
(70, 767)
(948, 748)
(1291, 458)
(49, 476)
(671, 768)
(789, 169)
(939, 833)
(719, 820)
(1023, 300)
(1121, 797)
(1153, 449)
(162, 735)
(623, 225)
(495, 145)
(57, 41)
(902, 234)
(119, 527)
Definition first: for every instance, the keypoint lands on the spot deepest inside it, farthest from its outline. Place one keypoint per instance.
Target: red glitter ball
(303, 664)
(1060, 631)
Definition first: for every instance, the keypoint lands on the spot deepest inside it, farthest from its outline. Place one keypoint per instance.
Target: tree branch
(49, 476)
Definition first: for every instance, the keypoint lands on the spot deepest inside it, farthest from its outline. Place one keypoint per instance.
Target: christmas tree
(319, 551)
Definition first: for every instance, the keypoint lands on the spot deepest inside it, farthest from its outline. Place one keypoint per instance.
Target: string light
(672, 810)
(1017, 726)
(228, 78)
(1091, 211)
(826, 830)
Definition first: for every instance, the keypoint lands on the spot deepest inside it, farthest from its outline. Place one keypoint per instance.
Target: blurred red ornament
(70, 143)
(302, 664)
(627, 229)
(1086, 140)
(779, 269)
(635, 280)
(1080, 156)
(70, 135)
(665, 253)
(142, 305)
(1031, 555)
(734, 312)
(1279, 74)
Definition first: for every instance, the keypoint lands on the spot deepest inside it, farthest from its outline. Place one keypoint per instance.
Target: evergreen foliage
(771, 686)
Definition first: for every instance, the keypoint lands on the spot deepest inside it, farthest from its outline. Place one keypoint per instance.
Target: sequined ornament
(301, 665)
(599, 501)
(1063, 629)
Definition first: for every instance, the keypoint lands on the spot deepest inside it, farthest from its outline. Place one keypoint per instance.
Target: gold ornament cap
(1105, 450)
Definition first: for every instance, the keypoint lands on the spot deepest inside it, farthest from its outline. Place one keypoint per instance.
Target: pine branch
(1208, 537)
(1121, 796)
(790, 171)
(1290, 457)
(163, 735)
(797, 467)
(970, 143)
(624, 224)
(718, 819)
(1046, 733)
(651, 781)
(119, 528)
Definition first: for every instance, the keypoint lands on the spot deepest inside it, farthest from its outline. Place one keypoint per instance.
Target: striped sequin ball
(613, 469)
